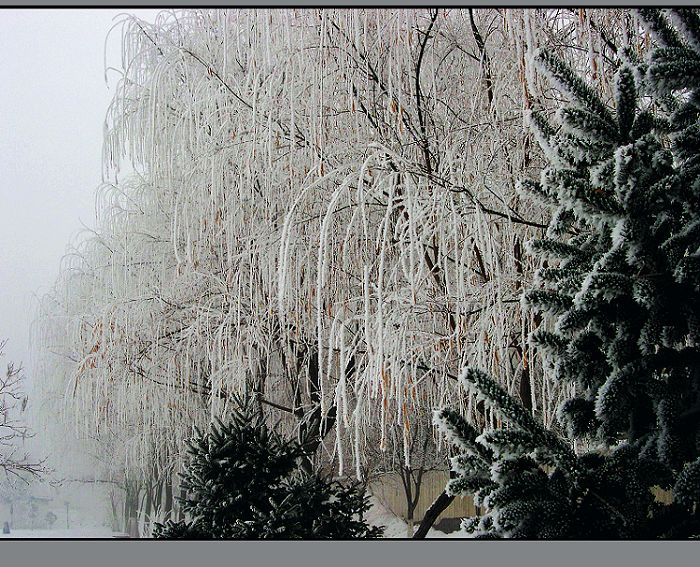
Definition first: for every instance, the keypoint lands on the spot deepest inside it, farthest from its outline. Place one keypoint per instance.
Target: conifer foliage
(244, 482)
(620, 284)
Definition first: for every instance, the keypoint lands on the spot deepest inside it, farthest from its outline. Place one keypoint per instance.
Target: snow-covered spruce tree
(244, 482)
(622, 284)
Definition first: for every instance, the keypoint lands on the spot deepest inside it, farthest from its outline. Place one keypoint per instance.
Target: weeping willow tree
(316, 207)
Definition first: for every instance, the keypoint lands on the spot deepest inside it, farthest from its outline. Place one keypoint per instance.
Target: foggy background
(53, 101)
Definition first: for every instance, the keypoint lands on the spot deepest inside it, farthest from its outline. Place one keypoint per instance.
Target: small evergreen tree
(622, 284)
(243, 482)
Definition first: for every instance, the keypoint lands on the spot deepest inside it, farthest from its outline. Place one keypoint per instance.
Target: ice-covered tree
(307, 221)
(323, 212)
(243, 481)
(622, 292)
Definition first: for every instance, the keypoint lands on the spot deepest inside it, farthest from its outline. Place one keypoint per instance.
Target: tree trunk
(433, 513)
(133, 528)
(147, 510)
(314, 425)
(168, 504)
(180, 511)
(115, 512)
(131, 504)
(408, 492)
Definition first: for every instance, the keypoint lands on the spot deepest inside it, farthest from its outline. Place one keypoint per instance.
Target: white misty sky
(53, 100)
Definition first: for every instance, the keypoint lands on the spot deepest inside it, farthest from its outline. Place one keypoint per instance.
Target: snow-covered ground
(378, 515)
(77, 533)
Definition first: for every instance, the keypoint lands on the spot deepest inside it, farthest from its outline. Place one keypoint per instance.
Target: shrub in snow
(243, 481)
(621, 284)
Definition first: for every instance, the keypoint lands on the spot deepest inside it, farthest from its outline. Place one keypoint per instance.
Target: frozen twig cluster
(15, 462)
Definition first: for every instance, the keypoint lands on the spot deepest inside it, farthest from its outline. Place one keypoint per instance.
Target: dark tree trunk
(168, 504)
(314, 425)
(432, 514)
(131, 504)
(149, 506)
(180, 512)
(525, 389)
